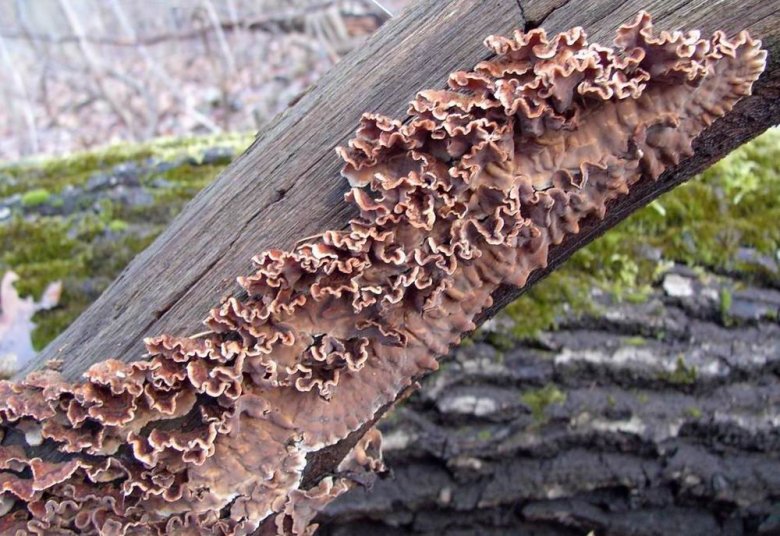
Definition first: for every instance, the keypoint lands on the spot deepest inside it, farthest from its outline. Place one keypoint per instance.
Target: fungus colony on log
(209, 434)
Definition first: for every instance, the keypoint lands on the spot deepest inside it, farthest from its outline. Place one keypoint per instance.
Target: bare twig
(383, 8)
(94, 64)
(230, 61)
(158, 71)
(26, 108)
(291, 19)
(314, 27)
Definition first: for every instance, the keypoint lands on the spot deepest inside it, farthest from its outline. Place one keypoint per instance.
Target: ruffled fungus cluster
(209, 435)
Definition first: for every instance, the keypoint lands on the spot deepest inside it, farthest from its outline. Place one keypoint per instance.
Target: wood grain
(751, 116)
(286, 186)
(456, 470)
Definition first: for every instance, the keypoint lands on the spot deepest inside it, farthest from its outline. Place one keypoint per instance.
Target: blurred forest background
(75, 74)
(636, 390)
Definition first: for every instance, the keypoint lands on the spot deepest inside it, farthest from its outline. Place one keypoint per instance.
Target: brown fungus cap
(209, 434)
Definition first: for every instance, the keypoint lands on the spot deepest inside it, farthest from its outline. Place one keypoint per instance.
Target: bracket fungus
(210, 434)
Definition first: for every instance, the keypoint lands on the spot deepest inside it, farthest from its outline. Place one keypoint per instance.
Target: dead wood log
(286, 185)
(600, 425)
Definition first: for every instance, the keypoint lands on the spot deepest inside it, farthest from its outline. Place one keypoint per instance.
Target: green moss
(76, 250)
(540, 307)
(702, 223)
(635, 341)
(185, 181)
(726, 299)
(637, 295)
(500, 341)
(117, 226)
(53, 174)
(484, 435)
(642, 398)
(45, 250)
(681, 375)
(693, 412)
(466, 342)
(36, 197)
(537, 400)
(39, 251)
(99, 262)
(736, 203)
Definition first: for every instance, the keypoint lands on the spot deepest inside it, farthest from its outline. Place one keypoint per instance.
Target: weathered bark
(648, 419)
(286, 186)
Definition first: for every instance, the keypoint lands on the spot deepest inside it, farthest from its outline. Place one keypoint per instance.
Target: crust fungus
(209, 435)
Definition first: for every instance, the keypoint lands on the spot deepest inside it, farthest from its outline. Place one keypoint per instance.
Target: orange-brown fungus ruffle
(209, 435)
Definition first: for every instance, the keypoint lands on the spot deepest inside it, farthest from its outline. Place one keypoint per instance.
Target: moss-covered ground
(52, 175)
(726, 220)
(88, 245)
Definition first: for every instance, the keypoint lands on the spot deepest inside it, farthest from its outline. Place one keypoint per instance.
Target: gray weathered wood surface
(626, 448)
(286, 186)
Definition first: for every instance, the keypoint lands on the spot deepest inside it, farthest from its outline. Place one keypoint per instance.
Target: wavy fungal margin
(209, 434)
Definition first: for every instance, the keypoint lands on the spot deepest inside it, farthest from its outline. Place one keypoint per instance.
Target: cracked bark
(626, 447)
(415, 50)
(241, 213)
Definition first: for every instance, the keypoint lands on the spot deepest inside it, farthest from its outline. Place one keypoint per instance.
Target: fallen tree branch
(594, 432)
(659, 137)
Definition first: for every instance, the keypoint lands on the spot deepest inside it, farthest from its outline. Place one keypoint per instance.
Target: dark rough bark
(759, 17)
(651, 419)
(286, 186)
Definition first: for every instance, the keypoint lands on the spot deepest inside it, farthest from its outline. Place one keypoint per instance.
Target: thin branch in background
(94, 65)
(157, 70)
(223, 44)
(151, 111)
(239, 25)
(21, 14)
(26, 107)
(335, 29)
(84, 86)
(314, 27)
(42, 59)
(378, 4)
(228, 67)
